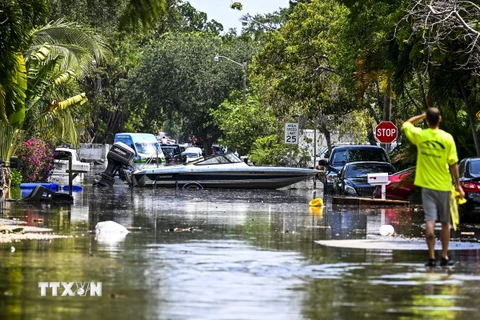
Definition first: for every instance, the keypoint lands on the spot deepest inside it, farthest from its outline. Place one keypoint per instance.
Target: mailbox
(377, 179)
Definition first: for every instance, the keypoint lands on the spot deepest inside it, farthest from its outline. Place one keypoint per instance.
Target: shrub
(268, 151)
(15, 178)
(36, 160)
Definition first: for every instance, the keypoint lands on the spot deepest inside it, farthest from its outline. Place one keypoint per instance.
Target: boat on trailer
(218, 171)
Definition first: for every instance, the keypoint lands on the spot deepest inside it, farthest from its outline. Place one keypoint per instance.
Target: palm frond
(77, 44)
(142, 12)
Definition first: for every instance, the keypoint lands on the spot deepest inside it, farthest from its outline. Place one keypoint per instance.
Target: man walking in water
(436, 164)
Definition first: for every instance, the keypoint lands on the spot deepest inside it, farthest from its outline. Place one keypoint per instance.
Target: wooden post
(70, 176)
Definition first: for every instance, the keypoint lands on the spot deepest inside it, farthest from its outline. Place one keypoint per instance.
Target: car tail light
(470, 187)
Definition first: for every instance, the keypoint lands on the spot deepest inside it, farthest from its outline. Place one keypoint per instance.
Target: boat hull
(255, 178)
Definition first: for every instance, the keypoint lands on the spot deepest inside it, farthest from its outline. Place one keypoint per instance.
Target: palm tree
(57, 53)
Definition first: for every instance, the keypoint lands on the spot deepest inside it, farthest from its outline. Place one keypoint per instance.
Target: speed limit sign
(291, 133)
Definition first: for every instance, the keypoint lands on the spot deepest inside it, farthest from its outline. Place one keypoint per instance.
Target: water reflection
(231, 254)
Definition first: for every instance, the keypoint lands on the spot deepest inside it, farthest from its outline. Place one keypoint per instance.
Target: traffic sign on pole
(291, 133)
(386, 132)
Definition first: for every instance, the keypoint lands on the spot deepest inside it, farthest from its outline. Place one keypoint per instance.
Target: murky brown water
(251, 255)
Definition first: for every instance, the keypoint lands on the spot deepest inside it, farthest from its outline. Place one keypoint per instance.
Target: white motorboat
(218, 171)
(61, 163)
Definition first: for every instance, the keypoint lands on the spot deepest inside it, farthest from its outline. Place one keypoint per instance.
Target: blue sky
(220, 10)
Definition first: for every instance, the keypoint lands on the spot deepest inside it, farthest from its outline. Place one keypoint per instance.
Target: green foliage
(36, 160)
(128, 15)
(236, 6)
(17, 19)
(242, 124)
(141, 13)
(295, 68)
(271, 151)
(16, 178)
(178, 79)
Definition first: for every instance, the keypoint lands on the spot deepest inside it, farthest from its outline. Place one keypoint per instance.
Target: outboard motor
(119, 157)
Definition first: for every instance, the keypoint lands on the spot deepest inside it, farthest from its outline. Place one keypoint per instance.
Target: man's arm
(454, 172)
(417, 119)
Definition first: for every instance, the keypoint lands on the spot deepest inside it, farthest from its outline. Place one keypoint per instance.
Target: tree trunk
(387, 107)
(322, 127)
(471, 119)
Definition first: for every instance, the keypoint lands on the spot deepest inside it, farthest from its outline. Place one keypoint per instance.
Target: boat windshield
(219, 159)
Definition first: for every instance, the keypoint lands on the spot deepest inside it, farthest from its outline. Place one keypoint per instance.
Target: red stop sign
(386, 132)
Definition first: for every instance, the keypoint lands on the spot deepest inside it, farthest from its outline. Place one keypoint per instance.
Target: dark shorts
(436, 205)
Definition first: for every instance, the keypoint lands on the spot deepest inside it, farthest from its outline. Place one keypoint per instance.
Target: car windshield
(146, 148)
(345, 156)
(362, 169)
(192, 155)
(169, 151)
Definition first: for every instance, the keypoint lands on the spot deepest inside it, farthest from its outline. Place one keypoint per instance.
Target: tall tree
(17, 19)
(444, 38)
(298, 69)
(57, 50)
(178, 78)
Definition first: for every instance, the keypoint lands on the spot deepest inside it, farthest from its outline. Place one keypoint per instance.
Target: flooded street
(228, 254)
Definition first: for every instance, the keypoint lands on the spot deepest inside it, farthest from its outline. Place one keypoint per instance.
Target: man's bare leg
(430, 238)
(445, 238)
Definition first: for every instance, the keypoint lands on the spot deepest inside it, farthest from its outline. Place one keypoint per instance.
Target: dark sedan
(469, 170)
(352, 179)
(345, 154)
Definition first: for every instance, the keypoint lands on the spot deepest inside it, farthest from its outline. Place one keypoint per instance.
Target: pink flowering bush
(36, 160)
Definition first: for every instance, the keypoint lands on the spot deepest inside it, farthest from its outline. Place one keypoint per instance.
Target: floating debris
(110, 227)
(191, 229)
(387, 230)
(22, 229)
(17, 237)
(11, 222)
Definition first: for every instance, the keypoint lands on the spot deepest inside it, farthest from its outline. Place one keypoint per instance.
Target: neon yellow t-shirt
(436, 150)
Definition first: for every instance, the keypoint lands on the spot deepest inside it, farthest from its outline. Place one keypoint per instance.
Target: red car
(469, 170)
(400, 185)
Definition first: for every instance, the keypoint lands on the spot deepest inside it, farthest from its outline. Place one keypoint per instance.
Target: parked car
(321, 154)
(192, 153)
(145, 145)
(173, 154)
(349, 153)
(400, 185)
(352, 179)
(216, 149)
(469, 176)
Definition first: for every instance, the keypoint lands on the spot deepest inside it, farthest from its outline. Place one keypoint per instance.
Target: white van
(192, 153)
(146, 146)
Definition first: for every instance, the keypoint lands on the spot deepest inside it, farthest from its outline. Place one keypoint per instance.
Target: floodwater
(228, 254)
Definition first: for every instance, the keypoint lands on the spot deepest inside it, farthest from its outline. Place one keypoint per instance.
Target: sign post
(386, 132)
(291, 135)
